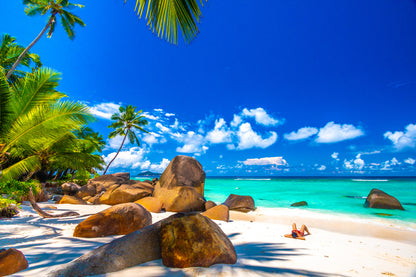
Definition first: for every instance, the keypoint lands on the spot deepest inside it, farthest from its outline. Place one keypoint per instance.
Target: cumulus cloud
(220, 134)
(301, 134)
(169, 114)
(410, 161)
(402, 140)
(162, 128)
(132, 158)
(266, 161)
(335, 156)
(321, 168)
(150, 116)
(333, 132)
(114, 143)
(261, 116)
(247, 138)
(192, 143)
(236, 121)
(158, 110)
(356, 164)
(104, 110)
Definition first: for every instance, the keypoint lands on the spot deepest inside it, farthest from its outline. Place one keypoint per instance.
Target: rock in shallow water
(381, 200)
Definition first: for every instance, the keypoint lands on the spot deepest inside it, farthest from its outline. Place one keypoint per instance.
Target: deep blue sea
(329, 195)
(324, 195)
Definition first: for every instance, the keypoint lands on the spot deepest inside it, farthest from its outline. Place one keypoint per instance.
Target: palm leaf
(29, 164)
(164, 16)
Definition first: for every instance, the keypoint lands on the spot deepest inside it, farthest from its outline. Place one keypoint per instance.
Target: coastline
(338, 246)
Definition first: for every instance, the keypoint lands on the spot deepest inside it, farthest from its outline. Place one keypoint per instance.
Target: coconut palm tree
(61, 8)
(126, 122)
(33, 119)
(10, 51)
(165, 16)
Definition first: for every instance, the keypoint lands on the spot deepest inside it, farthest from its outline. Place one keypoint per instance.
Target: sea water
(339, 196)
(328, 195)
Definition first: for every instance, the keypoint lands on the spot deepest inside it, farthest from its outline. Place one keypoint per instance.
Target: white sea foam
(252, 179)
(370, 180)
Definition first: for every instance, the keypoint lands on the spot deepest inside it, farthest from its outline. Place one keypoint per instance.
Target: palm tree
(56, 8)
(164, 16)
(10, 51)
(126, 122)
(32, 120)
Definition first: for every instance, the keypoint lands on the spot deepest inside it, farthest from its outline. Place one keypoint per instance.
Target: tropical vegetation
(56, 8)
(126, 122)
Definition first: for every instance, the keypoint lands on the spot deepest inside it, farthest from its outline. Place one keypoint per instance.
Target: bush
(81, 177)
(8, 207)
(15, 190)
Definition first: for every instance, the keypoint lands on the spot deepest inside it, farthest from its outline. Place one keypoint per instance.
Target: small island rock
(381, 200)
(299, 204)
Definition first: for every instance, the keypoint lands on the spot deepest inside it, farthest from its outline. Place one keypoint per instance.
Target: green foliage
(8, 207)
(125, 124)
(61, 8)
(15, 189)
(81, 177)
(164, 16)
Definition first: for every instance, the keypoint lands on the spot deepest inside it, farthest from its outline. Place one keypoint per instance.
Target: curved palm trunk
(19, 59)
(122, 143)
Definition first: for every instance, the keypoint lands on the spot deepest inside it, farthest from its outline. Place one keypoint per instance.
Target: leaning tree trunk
(19, 59)
(43, 213)
(115, 155)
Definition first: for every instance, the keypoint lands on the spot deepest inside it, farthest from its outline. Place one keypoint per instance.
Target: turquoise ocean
(344, 196)
(339, 196)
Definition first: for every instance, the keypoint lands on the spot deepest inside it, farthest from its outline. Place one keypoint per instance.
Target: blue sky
(268, 87)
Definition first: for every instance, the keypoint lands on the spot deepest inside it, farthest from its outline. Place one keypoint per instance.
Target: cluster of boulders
(181, 240)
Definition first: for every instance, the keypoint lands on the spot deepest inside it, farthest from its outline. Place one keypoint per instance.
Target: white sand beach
(338, 246)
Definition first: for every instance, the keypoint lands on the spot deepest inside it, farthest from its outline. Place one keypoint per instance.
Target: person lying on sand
(296, 234)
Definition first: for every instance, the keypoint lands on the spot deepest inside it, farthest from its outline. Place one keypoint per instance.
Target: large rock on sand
(129, 191)
(190, 240)
(87, 190)
(152, 204)
(11, 261)
(70, 188)
(240, 203)
(68, 199)
(108, 180)
(181, 186)
(381, 200)
(120, 219)
(220, 212)
(133, 249)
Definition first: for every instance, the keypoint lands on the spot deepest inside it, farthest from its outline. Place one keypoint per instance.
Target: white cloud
(266, 161)
(150, 116)
(132, 158)
(302, 133)
(332, 132)
(220, 134)
(158, 110)
(169, 114)
(401, 140)
(335, 156)
(162, 128)
(115, 143)
(355, 165)
(410, 161)
(104, 110)
(193, 143)
(249, 139)
(261, 116)
(159, 168)
(236, 121)
(321, 168)
(388, 165)
(152, 138)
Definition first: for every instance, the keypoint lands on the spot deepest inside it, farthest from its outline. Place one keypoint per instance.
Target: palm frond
(29, 164)
(5, 108)
(164, 16)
